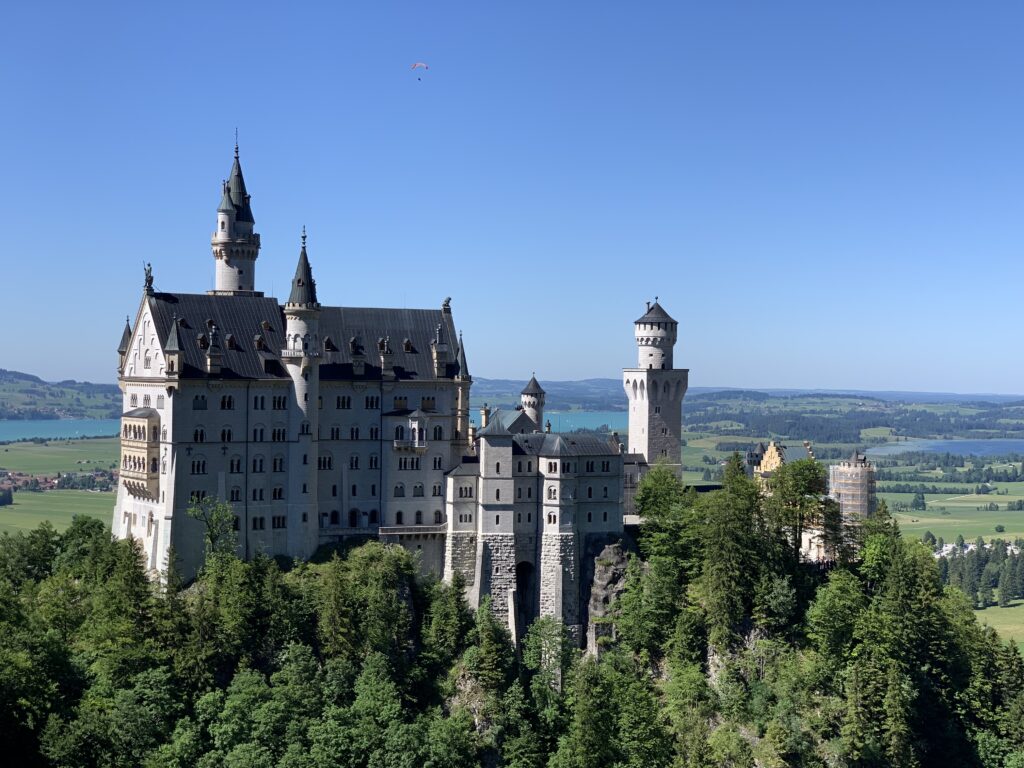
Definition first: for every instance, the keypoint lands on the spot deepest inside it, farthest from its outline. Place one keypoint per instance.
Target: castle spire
(303, 285)
(461, 360)
(235, 244)
(126, 337)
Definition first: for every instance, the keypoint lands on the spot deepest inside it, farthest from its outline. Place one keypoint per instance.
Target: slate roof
(532, 387)
(303, 285)
(494, 428)
(548, 444)
(655, 314)
(126, 338)
(244, 317)
(239, 195)
(461, 360)
(139, 413)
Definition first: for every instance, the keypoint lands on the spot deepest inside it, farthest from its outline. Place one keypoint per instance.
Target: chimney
(485, 415)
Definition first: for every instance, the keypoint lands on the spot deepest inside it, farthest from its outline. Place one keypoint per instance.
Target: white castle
(318, 424)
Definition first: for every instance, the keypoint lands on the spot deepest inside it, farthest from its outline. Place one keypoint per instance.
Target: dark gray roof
(173, 343)
(655, 314)
(126, 338)
(466, 469)
(514, 420)
(139, 413)
(494, 428)
(463, 368)
(239, 195)
(548, 444)
(303, 285)
(532, 387)
(225, 201)
(244, 317)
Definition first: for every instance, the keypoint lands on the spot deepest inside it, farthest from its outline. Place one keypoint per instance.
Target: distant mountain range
(25, 396)
(607, 394)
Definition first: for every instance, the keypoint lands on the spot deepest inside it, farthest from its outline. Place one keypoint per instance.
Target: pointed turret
(172, 349)
(461, 360)
(303, 285)
(531, 400)
(239, 195)
(126, 337)
(235, 245)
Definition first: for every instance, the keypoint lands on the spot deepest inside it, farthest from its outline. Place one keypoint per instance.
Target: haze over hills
(26, 396)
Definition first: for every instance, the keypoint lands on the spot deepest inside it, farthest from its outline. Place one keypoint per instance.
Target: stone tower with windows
(235, 245)
(301, 358)
(655, 390)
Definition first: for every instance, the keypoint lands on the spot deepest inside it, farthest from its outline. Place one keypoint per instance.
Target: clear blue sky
(823, 194)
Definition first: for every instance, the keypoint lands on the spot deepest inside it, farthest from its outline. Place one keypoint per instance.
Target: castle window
(145, 401)
(236, 495)
(437, 462)
(399, 432)
(199, 435)
(372, 402)
(373, 516)
(497, 468)
(519, 493)
(198, 403)
(399, 491)
(529, 466)
(606, 517)
(159, 401)
(278, 464)
(353, 462)
(398, 517)
(147, 361)
(417, 490)
(374, 461)
(257, 434)
(552, 492)
(590, 492)
(552, 466)
(353, 433)
(343, 402)
(605, 492)
(497, 494)
(335, 433)
(529, 517)
(436, 490)
(419, 517)
(400, 403)
(605, 466)
(352, 518)
(334, 490)
(497, 519)
(375, 433)
(133, 401)
(278, 521)
(335, 517)
(225, 435)
(257, 464)
(438, 433)
(304, 488)
(355, 490)
(437, 517)
(373, 490)
(227, 403)
(529, 492)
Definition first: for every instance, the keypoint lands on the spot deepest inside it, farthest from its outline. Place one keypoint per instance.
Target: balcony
(417, 446)
(410, 530)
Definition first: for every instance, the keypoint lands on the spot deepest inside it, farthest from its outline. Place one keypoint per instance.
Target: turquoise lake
(58, 428)
(997, 447)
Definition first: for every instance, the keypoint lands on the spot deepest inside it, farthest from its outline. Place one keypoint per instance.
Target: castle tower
(852, 484)
(532, 401)
(235, 245)
(655, 390)
(301, 356)
(463, 381)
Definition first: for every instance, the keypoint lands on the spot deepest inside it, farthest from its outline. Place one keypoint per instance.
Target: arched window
(199, 435)
(590, 492)
(552, 492)
(497, 468)
(399, 491)
(497, 494)
(399, 432)
(419, 517)
(437, 517)
(417, 490)
(438, 432)
(353, 518)
(398, 517)
(225, 435)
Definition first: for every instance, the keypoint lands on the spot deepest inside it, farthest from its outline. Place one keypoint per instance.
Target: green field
(30, 509)
(1008, 622)
(60, 456)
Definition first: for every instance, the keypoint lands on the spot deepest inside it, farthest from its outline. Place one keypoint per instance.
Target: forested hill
(24, 396)
(719, 648)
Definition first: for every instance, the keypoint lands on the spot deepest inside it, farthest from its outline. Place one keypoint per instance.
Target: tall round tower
(235, 244)
(301, 357)
(532, 401)
(655, 391)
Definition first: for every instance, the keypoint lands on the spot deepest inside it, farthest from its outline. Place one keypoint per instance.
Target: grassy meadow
(1008, 622)
(58, 456)
(30, 509)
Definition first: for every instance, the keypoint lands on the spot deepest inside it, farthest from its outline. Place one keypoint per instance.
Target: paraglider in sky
(419, 65)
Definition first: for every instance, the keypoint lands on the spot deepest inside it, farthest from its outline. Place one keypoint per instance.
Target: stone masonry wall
(498, 570)
(460, 556)
(559, 581)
